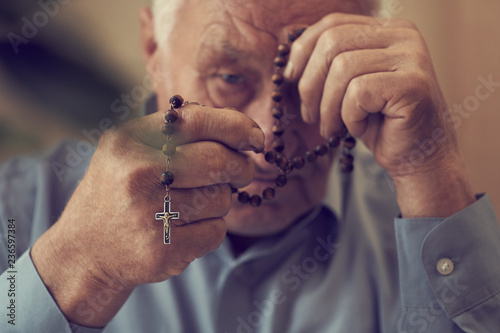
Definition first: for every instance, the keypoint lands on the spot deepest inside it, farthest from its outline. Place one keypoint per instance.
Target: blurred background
(67, 66)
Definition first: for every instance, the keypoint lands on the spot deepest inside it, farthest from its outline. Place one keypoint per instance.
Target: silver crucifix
(166, 216)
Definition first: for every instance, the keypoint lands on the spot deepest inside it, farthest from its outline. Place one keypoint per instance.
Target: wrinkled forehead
(273, 15)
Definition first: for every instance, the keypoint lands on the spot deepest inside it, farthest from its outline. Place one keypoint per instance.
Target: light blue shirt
(358, 270)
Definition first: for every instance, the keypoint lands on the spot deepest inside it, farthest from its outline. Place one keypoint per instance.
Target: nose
(260, 110)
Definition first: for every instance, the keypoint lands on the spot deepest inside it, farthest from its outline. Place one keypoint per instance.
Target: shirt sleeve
(449, 269)
(30, 307)
(33, 193)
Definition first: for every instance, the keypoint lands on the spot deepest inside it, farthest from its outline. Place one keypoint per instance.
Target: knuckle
(341, 62)
(405, 23)
(332, 19)
(328, 41)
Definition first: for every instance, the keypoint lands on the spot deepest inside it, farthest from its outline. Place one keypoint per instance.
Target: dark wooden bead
(168, 128)
(281, 161)
(347, 159)
(343, 132)
(277, 112)
(311, 156)
(334, 142)
(295, 34)
(284, 50)
(268, 193)
(176, 101)
(321, 150)
(169, 149)
(270, 156)
(167, 178)
(278, 130)
(243, 197)
(171, 116)
(255, 201)
(281, 180)
(277, 96)
(346, 168)
(349, 142)
(277, 79)
(280, 61)
(298, 162)
(278, 145)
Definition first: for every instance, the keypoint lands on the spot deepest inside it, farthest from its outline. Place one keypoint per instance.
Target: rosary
(274, 156)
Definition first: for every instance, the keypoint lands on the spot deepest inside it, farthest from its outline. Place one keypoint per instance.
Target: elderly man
(290, 265)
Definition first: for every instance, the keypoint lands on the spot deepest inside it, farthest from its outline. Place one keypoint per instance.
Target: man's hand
(377, 76)
(107, 239)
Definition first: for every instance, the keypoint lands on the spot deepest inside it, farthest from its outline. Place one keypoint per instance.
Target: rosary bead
(346, 168)
(176, 101)
(243, 197)
(277, 95)
(343, 132)
(298, 162)
(171, 116)
(167, 178)
(349, 142)
(277, 79)
(295, 34)
(311, 156)
(268, 193)
(281, 161)
(270, 156)
(168, 128)
(334, 142)
(278, 130)
(321, 150)
(168, 149)
(255, 201)
(281, 180)
(277, 112)
(280, 61)
(278, 145)
(283, 50)
(347, 159)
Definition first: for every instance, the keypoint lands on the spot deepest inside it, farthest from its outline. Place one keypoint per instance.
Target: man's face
(221, 54)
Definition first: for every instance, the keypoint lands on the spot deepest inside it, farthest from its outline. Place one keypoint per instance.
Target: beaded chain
(274, 156)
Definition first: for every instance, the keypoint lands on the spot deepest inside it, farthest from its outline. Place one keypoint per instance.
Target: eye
(232, 78)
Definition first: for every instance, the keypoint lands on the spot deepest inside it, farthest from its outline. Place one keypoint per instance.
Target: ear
(148, 40)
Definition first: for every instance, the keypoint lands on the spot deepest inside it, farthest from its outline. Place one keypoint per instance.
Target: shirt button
(445, 266)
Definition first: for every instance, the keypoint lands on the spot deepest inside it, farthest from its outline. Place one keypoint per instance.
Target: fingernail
(288, 70)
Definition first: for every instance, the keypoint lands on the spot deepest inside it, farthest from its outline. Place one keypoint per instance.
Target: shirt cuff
(35, 309)
(453, 261)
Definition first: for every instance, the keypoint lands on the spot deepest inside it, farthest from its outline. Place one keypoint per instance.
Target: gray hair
(164, 13)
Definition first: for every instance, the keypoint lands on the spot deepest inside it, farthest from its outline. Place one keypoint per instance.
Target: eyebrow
(223, 51)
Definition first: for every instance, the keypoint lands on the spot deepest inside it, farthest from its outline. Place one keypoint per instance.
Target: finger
(303, 47)
(203, 236)
(201, 203)
(330, 45)
(392, 94)
(192, 204)
(199, 123)
(344, 68)
(217, 164)
(366, 27)
(194, 165)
